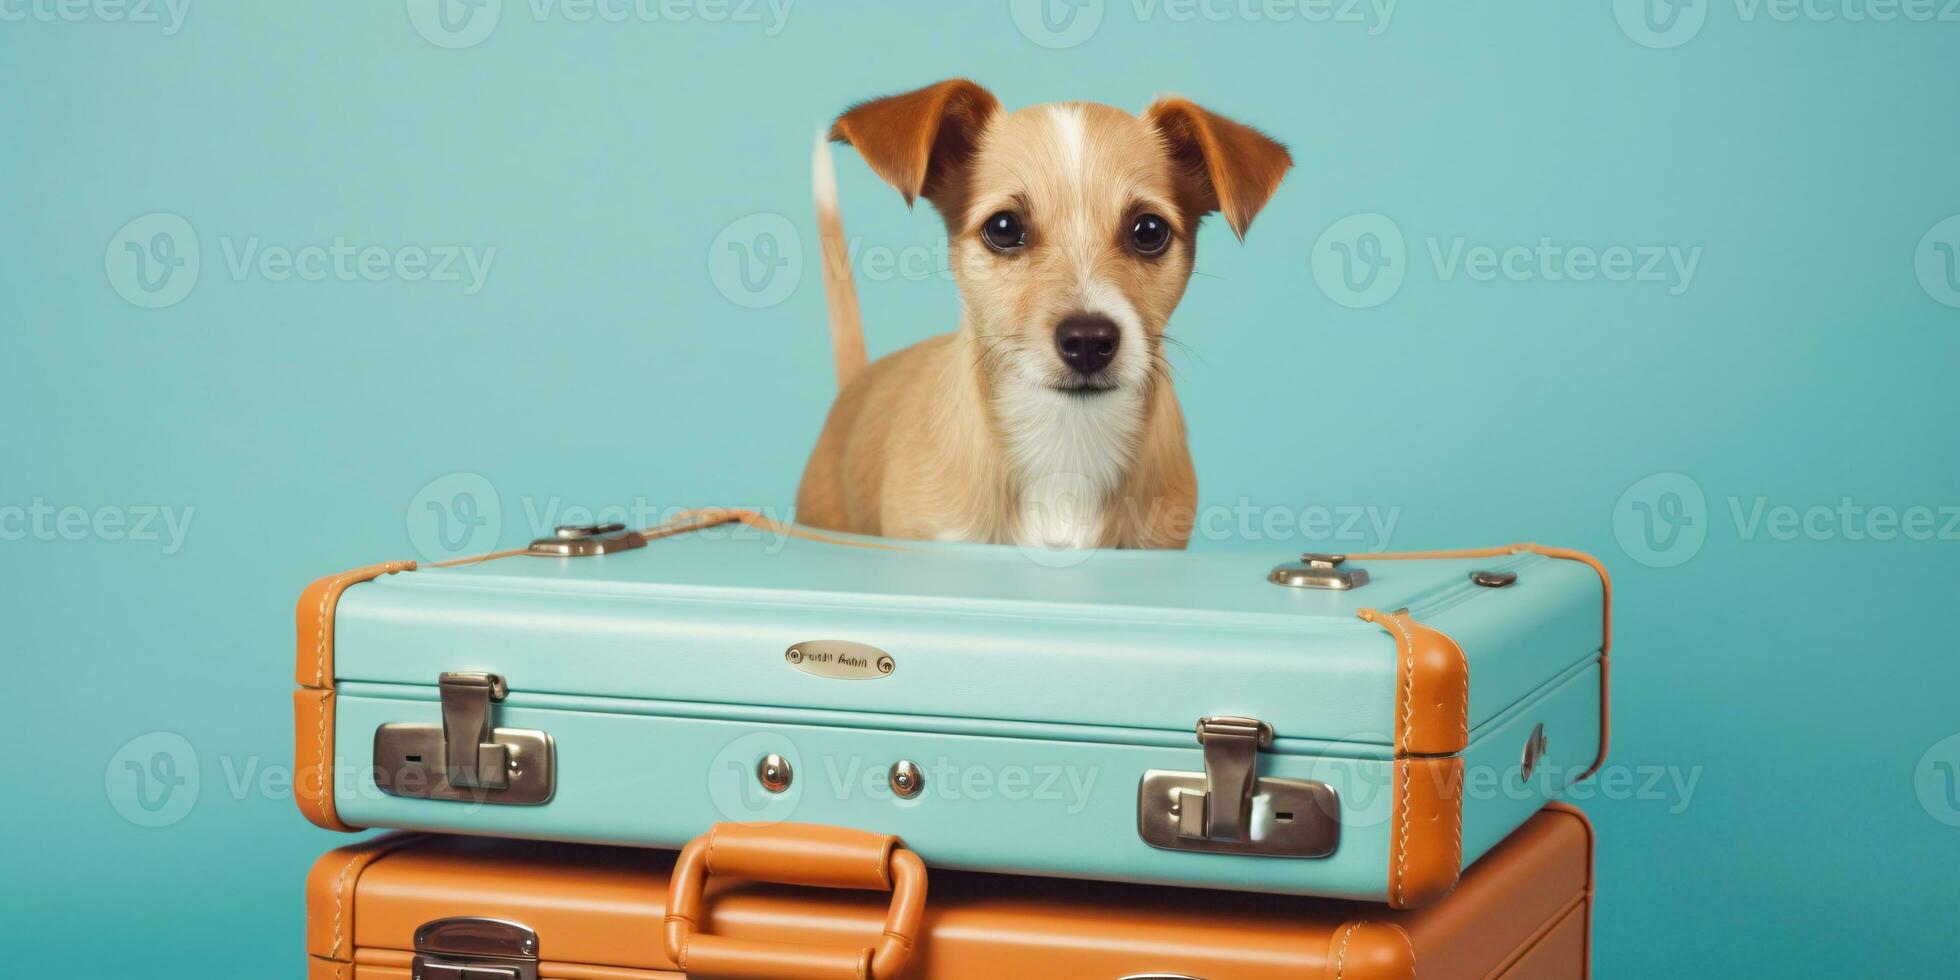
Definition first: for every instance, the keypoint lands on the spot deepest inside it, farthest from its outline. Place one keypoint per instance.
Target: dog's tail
(846, 324)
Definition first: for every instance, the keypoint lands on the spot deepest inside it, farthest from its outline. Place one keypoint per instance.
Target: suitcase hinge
(1229, 808)
(475, 949)
(465, 758)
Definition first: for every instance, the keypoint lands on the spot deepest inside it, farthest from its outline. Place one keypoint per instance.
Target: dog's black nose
(1087, 341)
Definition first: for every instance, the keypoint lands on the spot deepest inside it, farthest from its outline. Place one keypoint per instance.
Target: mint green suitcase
(1362, 728)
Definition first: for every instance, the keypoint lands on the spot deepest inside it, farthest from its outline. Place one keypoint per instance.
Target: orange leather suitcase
(848, 904)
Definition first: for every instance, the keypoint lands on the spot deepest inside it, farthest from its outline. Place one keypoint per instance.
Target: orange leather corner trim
(313, 620)
(1432, 687)
(1592, 837)
(313, 703)
(1363, 950)
(330, 889)
(795, 854)
(1592, 877)
(1606, 606)
(313, 716)
(319, 969)
(1425, 854)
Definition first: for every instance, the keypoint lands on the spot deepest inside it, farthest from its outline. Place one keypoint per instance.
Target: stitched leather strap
(794, 854)
(701, 520)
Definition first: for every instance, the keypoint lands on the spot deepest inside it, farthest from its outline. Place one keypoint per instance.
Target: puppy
(1047, 418)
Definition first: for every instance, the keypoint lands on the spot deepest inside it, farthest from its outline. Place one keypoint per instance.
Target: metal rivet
(795, 655)
(774, 773)
(907, 780)
(886, 665)
(1534, 749)
(1493, 580)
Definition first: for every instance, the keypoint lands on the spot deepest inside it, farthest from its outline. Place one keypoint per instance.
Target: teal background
(1799, 678)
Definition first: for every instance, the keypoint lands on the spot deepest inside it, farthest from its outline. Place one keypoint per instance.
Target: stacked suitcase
(729, 748)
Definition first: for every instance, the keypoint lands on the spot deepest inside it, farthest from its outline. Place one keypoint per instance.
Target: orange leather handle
(794, 854)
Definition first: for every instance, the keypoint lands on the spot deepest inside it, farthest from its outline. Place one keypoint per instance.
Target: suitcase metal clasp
(585, 540)
(475, 949)
(465, 758)
(1317, 571)
(1229, 808)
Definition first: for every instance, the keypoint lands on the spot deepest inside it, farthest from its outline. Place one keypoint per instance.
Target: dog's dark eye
(1004, 232)
(1150, 235)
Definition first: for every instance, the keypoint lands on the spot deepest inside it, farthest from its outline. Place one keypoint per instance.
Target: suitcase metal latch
(1229, 808)
(464, 758)
(586, 540)
(1317, 571)
(475, 949)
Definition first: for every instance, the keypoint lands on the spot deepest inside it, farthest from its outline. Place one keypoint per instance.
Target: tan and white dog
(1047, 418)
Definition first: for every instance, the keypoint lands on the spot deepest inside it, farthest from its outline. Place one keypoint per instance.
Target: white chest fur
(1071, 453)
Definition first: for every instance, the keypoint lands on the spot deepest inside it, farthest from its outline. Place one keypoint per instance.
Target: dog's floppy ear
(918, 141)
(1226, 166)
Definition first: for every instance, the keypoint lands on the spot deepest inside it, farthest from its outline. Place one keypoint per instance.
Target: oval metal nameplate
(841, 659)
